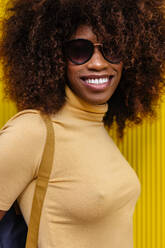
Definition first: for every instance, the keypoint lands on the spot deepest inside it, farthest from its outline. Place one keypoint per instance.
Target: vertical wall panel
(144, 148)
(7, 109)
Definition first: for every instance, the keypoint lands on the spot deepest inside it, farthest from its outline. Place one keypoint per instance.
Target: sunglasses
(80, 51)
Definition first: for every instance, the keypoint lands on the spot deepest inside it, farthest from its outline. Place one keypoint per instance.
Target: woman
(85, 64)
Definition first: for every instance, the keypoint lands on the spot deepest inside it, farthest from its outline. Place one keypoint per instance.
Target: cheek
(70, 73)
(73, 72)
(70, 70)
(71, 76)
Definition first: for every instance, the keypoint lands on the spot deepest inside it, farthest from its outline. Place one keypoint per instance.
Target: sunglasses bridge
(102, 52)
(78, 61)
(97, 45)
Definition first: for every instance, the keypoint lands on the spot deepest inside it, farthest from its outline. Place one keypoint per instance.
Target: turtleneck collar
(83, 109)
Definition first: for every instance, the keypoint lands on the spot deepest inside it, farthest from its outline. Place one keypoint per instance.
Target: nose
(97, 61)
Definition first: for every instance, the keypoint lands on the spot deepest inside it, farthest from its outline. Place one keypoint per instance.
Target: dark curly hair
(32, 54)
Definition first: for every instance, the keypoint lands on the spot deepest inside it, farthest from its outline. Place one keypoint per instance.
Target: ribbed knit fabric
(92, 190)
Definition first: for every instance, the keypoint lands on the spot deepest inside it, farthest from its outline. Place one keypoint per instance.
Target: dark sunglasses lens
(79, 51)
(110, 56)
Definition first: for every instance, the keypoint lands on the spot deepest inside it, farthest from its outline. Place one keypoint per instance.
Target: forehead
(84, 32)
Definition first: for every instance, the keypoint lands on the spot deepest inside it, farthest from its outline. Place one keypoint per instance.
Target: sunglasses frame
(93, 45)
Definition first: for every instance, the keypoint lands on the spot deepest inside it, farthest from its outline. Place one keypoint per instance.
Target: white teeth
(97, 81)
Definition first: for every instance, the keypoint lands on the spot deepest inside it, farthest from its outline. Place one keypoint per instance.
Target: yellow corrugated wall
(144, 148)
(7, 109)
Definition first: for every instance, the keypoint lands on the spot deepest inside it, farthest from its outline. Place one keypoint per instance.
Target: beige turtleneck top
(92, 190)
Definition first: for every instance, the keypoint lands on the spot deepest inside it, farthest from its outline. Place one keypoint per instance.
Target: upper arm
(21, 145)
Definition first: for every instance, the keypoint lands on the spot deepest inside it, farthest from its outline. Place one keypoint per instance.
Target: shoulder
(22, 138)
(27, 121)
(25, 128)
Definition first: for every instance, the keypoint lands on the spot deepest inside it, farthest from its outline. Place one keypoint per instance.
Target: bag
(13, 229)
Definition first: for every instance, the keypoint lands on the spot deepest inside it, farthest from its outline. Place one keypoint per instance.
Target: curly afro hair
(32, 52)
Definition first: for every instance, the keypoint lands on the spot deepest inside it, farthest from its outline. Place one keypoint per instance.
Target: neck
(83, 108)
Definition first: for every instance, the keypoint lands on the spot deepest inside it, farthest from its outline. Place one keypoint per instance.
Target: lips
(97, 79)
(97, 82)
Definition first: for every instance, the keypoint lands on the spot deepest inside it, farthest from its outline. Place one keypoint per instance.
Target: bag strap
(41, 185)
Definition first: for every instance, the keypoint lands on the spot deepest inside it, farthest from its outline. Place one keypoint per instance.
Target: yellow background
(144, 148)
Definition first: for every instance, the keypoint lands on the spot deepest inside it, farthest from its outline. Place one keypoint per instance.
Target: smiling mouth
(97, 80)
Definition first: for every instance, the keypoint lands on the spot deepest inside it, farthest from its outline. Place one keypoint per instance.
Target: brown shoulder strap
(41, 185)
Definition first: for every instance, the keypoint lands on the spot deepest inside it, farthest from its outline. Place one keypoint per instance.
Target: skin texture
(96, 66)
